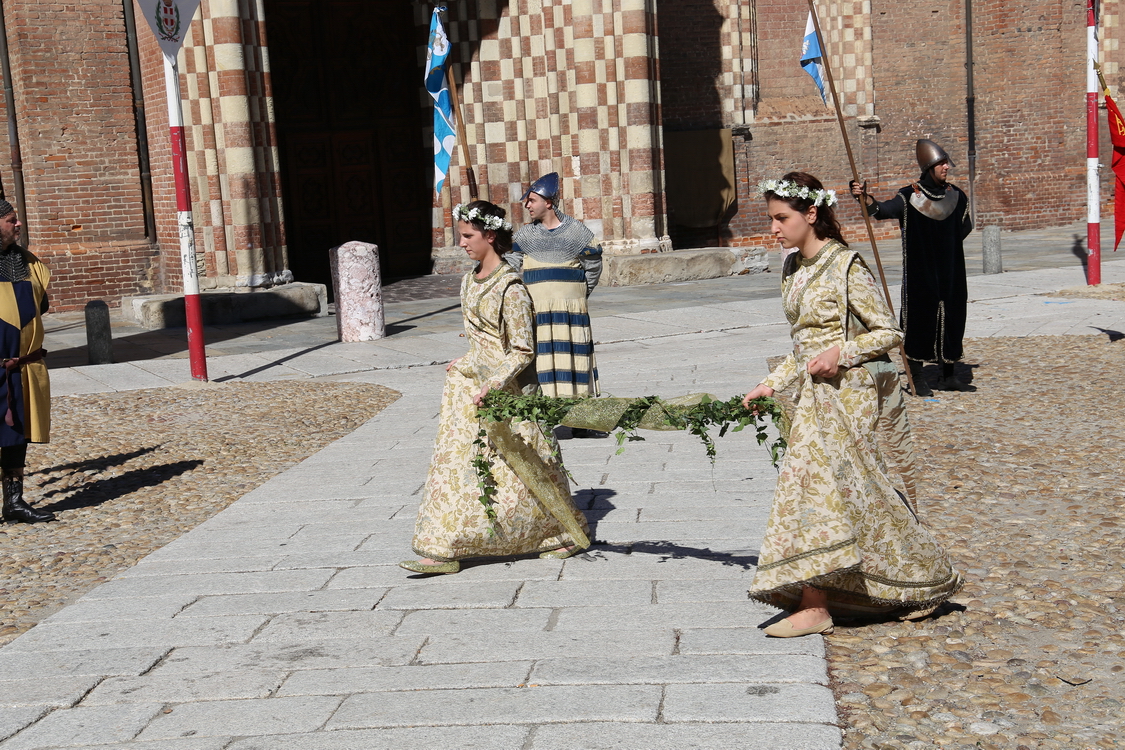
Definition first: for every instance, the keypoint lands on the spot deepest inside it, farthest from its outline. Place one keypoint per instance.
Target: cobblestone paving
(415, 288)
(1022, 483)
(1101, 291)
(129, 472)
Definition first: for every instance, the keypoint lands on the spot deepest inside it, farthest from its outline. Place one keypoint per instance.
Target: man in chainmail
(933, 215)
(561, 263)
(25, 393)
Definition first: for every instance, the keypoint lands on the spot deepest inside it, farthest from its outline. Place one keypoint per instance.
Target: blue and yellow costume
(25, 391)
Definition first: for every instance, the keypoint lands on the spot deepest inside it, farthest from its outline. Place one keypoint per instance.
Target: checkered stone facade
(567, 87)
(232, 156)
(586, 88)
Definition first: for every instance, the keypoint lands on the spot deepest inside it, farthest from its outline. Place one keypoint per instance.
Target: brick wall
(82, 183)
(902, 67)
(1030, 117)
(787, 125)
(779, 27)
(691, 64)
(167, 270)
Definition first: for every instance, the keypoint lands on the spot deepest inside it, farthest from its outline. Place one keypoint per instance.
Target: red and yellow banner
(1117, 135)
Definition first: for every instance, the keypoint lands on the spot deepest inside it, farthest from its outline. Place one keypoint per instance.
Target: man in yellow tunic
(25, 391)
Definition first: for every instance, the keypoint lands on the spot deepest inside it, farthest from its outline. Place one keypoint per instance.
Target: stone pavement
(283, 621)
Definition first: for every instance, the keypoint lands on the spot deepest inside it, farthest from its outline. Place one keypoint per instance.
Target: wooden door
(354, 166)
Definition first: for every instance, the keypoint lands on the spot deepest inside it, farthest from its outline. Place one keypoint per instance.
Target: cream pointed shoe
(417, 566)
(785, 629)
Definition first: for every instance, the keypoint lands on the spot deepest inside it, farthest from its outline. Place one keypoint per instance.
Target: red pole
(194, 314)
(1093, 187)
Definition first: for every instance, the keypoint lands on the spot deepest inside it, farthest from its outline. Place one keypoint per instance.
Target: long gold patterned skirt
(838, 523)
(452, 522)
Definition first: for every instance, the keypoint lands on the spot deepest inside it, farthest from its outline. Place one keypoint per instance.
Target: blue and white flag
(811, 59)
(445, 134)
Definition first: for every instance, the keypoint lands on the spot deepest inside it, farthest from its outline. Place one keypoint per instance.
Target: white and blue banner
(811, 59)
(445, 133)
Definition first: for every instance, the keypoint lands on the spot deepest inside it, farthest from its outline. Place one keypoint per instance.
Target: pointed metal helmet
(930, 154)
(546, 186)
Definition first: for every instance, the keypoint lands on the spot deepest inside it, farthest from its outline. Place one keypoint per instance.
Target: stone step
(156, 311)
(683, 265)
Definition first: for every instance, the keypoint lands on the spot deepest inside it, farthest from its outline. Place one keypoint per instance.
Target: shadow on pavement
(398, 323)
(94, 464)
(1079, 250)
(104, 490)
(273, 364)
(166, 341)
(672, 551)
(1113, 335)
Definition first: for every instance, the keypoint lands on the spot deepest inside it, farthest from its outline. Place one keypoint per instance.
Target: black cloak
(934, 221)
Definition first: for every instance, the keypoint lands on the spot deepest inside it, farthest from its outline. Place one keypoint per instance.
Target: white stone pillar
(359, 291)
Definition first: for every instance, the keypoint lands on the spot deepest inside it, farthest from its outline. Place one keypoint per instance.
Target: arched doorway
(354, 165)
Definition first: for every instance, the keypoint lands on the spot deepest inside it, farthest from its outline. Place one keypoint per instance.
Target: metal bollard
(358, 290)
(990, 243)
(99, 336)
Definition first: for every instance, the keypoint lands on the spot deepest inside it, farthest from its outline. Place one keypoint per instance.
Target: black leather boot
(949, 381)
(15, 509)
(920, 385)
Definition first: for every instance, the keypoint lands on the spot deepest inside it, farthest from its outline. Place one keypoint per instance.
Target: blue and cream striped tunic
(564, 354)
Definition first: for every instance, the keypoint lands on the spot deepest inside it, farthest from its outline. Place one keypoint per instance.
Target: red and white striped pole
(193, 312)
(1093, 187)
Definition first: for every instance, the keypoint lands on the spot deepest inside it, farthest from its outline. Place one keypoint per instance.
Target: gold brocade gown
(452, 522)
(838, 522)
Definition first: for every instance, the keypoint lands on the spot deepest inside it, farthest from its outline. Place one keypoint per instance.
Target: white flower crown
(475, 215)
(785, 189)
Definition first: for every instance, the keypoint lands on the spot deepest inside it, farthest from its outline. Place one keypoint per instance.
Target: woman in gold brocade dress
(532, 504)
(841, 537)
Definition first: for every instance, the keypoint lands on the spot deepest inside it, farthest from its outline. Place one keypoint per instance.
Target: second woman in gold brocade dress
(841, 538)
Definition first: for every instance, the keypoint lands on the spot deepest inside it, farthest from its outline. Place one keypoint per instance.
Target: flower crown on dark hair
(786, 189)
(475, 215)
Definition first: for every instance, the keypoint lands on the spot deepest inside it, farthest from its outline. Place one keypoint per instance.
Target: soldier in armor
(933, 215)
(561, 263)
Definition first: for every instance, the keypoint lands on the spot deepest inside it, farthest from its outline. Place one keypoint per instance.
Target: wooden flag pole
(456, 102)
(855, 176)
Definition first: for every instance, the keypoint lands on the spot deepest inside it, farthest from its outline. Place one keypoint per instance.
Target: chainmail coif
(13, 266)
(558, 245)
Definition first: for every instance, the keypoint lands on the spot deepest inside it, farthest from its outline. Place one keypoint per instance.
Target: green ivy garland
(485, 481)
(647, 411)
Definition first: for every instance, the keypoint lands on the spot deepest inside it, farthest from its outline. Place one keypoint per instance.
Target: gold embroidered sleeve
(515, 310)
(866, 302)
(783, 375)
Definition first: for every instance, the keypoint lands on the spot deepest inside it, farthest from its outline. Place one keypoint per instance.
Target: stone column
(235, 161)
(618, 160)
(990, 245)
(358, 290)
